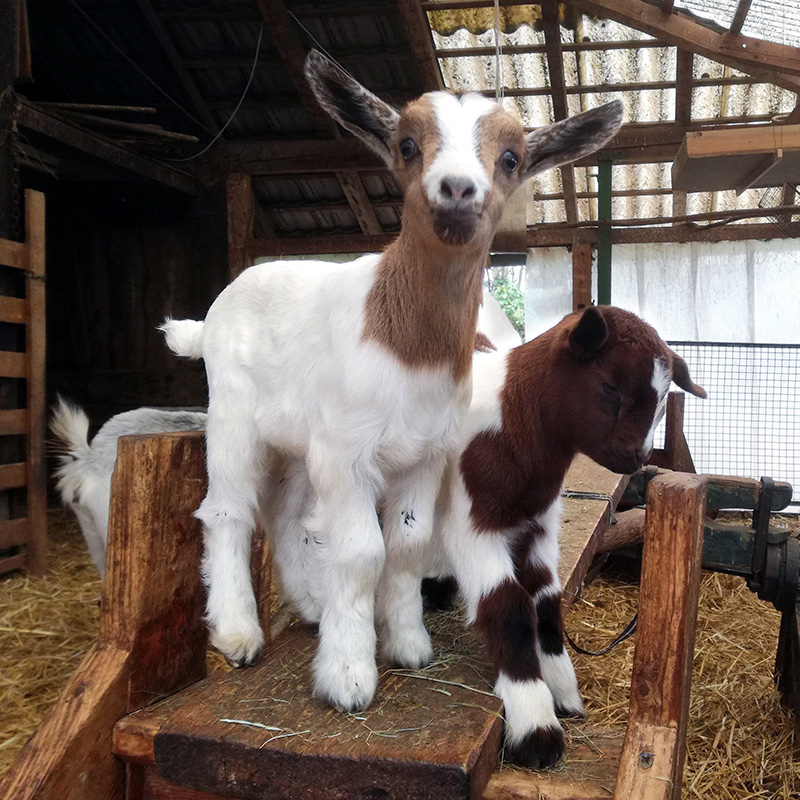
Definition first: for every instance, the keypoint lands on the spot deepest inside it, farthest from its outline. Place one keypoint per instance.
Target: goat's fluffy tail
(184, 337)
(70, 428)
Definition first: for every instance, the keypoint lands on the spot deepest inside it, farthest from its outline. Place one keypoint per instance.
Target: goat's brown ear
(589, 335)
(680, 374)
(353, 106)
(571, 139)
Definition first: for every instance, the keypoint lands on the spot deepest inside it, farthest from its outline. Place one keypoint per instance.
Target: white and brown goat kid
(361, 370)
(594, 384)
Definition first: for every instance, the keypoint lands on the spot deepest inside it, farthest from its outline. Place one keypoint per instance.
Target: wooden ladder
(25, 536)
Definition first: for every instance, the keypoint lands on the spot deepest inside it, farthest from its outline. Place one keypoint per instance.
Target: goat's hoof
(570, 712)
(538, 749)
(240, 648)
(411, 650)
(345, 684)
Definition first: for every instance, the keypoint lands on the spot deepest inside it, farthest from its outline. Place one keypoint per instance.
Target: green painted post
(604, 232)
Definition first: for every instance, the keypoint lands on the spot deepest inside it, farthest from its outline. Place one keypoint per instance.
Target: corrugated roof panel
(298, 190)
(381, 185)
(389, 218)
(315, 222)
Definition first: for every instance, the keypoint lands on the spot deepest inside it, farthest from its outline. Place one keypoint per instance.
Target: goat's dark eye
(510, 160)
(408, 149)
(611, 392)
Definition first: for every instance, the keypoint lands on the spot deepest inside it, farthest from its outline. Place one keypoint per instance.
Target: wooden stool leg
(651, 766)
(152, 635)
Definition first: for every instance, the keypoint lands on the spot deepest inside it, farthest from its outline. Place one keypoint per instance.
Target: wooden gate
(23, 525)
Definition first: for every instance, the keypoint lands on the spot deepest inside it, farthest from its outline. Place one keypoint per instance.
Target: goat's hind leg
(236, 461)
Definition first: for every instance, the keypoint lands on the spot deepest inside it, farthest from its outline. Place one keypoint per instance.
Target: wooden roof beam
(775, 63)
(420, 39)
(739, 16)
(134, 165)
(182, 73)
(555, 68)
(291, 50)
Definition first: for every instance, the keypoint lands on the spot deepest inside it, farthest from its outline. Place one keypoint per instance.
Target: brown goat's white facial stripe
(459, 149)
(660, 382)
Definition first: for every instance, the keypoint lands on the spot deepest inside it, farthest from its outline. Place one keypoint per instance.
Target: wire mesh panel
(750, 424)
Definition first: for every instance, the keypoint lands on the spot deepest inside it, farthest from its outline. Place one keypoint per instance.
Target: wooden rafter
(739, 16)
(555, 68)
(181, 72)
(683, 112)
(293, 54)
(774, 63)
(420, 40)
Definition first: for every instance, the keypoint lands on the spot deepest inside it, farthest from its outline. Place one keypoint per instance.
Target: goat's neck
(532, 418)
(423, 306)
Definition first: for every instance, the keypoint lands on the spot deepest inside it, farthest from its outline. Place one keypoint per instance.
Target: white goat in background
(83, 477)
(362, 372)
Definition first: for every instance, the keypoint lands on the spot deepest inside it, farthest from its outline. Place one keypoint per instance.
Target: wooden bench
(429, 734)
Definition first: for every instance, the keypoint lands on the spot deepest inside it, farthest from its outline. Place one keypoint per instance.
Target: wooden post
(581, 275)
(37, 412)
(651, 765)
(604, 233)
(152, 635)
(241, 207)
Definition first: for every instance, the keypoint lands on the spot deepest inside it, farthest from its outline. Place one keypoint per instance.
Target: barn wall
(118, 263)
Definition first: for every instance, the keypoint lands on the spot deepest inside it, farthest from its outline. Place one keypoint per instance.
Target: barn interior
(176, 142)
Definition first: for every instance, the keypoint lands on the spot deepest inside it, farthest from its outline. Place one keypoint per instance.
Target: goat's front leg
(228, 516)
(506, 617)
(345, 674)
(538, 574)
(407, 527)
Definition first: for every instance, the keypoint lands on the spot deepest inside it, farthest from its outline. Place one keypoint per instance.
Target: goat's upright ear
(571, 139)
(680, 374)
(589, 335)
(353, 106)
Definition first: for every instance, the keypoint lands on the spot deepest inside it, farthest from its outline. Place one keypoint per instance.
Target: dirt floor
(740, 741)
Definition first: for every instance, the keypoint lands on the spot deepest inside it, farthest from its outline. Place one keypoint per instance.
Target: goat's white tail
(70, 428)
(184, 337)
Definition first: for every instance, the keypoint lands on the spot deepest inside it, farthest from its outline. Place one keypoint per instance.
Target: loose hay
(740, 741)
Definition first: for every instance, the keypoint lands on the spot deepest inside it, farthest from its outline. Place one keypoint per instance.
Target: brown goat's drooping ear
(589, 335)
(680, 374)
(353, 106)
(571, 139)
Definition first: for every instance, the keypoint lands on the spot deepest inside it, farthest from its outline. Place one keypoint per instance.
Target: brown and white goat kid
(361, 370)
(594, 384)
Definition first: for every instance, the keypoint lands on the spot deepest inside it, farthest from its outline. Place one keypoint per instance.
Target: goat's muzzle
(455, 227)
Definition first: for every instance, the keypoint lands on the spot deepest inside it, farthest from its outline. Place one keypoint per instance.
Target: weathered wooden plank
(651, 764)
(13, 365)
(13, 309)
(581, 276)
(35, 346)
(62, 760)
(153, 598)
(13, 254)
(14, 532)
(411, 743)
(12, 476)
(11, 563)
(13, 421)
(588, 771)
(240, 205)
(152, 635)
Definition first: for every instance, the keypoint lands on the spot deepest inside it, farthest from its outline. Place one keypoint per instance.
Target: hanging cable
(238, 105)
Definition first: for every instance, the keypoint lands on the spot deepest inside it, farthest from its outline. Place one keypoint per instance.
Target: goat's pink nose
(458, 188)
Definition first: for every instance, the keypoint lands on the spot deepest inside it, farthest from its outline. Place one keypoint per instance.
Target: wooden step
(427, 735)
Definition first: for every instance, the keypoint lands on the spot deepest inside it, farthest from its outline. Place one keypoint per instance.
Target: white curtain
(713, 292)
